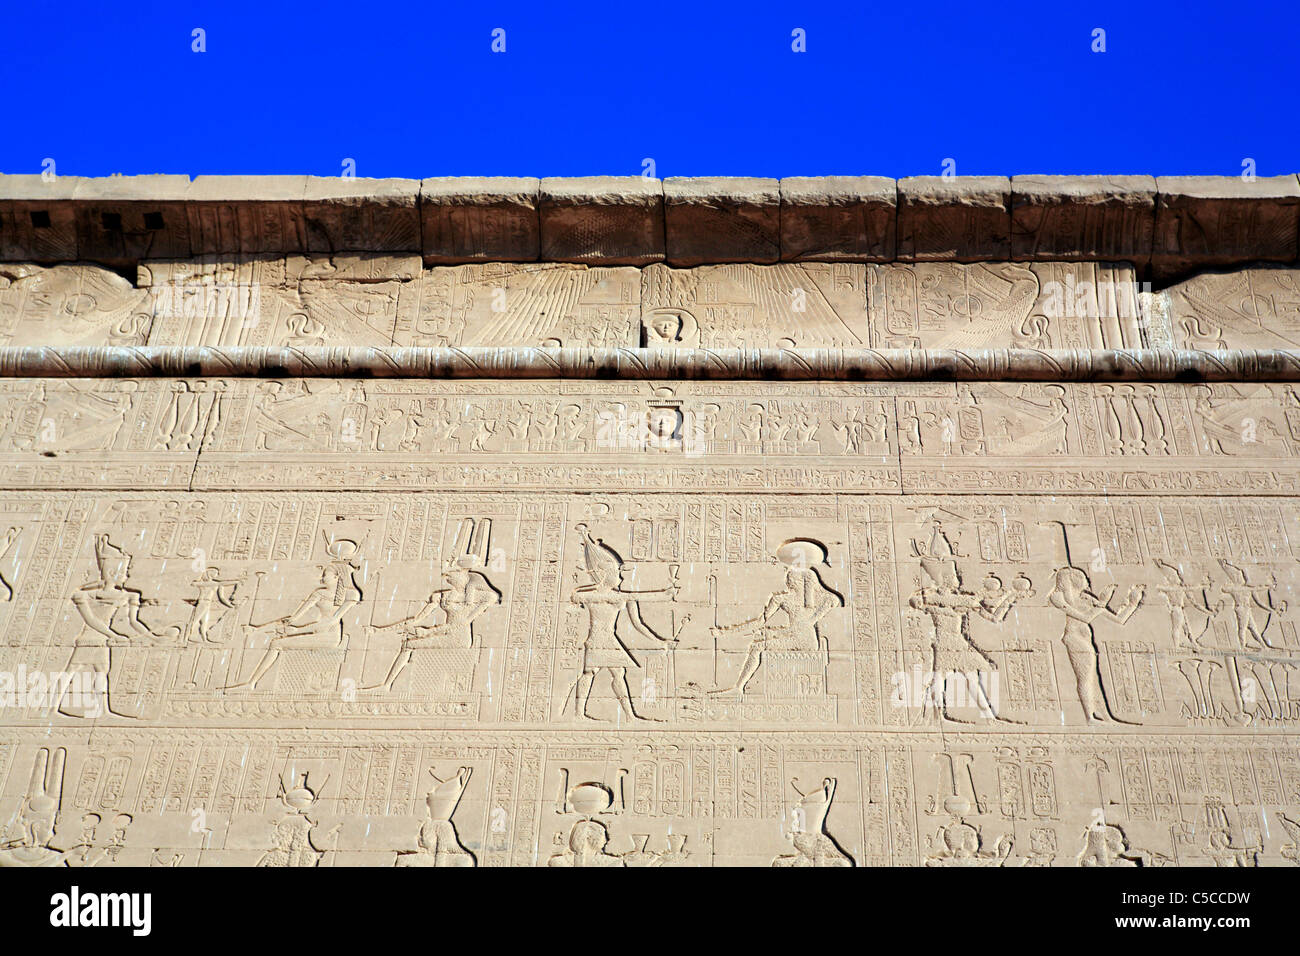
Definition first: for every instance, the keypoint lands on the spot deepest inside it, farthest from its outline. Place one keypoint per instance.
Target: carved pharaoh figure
(1183, 598)
(1243, 598)
(949, 605)
(110, 615)
(609, 605)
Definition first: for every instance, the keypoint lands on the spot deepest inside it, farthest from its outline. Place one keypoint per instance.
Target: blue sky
(414, 89)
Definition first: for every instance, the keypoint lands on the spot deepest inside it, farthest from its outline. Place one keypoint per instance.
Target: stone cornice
(844, 365)
(1168, 226)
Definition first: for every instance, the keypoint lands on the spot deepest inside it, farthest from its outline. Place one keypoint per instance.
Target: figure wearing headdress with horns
(608, 603)
(317, 622)
(466, 595)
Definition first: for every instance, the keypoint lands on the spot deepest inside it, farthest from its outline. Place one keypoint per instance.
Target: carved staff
(713, 600)
(237, 662)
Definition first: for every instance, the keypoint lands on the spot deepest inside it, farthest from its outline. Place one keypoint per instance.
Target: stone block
(722, 219)
(838, 218)
(613, 220)
(962, 218)
(345, 213)
(1083, 217)
(468, 219)
(247, 214)
(1205, 221)
(37, 219)
(127, 218)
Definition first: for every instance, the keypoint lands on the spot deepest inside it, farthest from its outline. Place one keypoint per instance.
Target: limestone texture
(331, 525)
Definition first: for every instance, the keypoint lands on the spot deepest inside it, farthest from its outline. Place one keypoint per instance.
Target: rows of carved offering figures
(304, 799)
(701, 612)
(391, 300)
(346, 434)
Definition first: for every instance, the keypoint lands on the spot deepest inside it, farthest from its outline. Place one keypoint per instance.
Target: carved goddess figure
(790, 619)
(588, 846)
(296, 841)
(317, 623)
(1072, 593)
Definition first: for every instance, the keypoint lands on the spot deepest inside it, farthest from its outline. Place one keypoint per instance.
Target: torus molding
(846, 365)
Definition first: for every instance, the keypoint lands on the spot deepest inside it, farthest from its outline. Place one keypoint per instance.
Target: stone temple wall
(626, 522)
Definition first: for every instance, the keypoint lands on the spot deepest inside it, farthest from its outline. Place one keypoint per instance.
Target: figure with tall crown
(609, 604)
(1072, 594)
(814, 846)
(39, 816)
(949, 605)
(110, 614)
(439, 843)
(791, 618)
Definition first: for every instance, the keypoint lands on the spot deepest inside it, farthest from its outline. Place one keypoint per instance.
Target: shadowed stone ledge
(1056, 365)
(1168, 227)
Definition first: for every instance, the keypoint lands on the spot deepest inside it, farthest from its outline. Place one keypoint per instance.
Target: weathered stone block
(746, 305)
(247, 214)
(346, 213)
(1221, 220)
(1083, 217)
(468, 219)
(615, 220)
(529, 304)
(125, 218)
(722, 219)
(839, 218)
(966, 218)
(37, 219)
(68, 303)
(988, 305)
(1242, 309)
